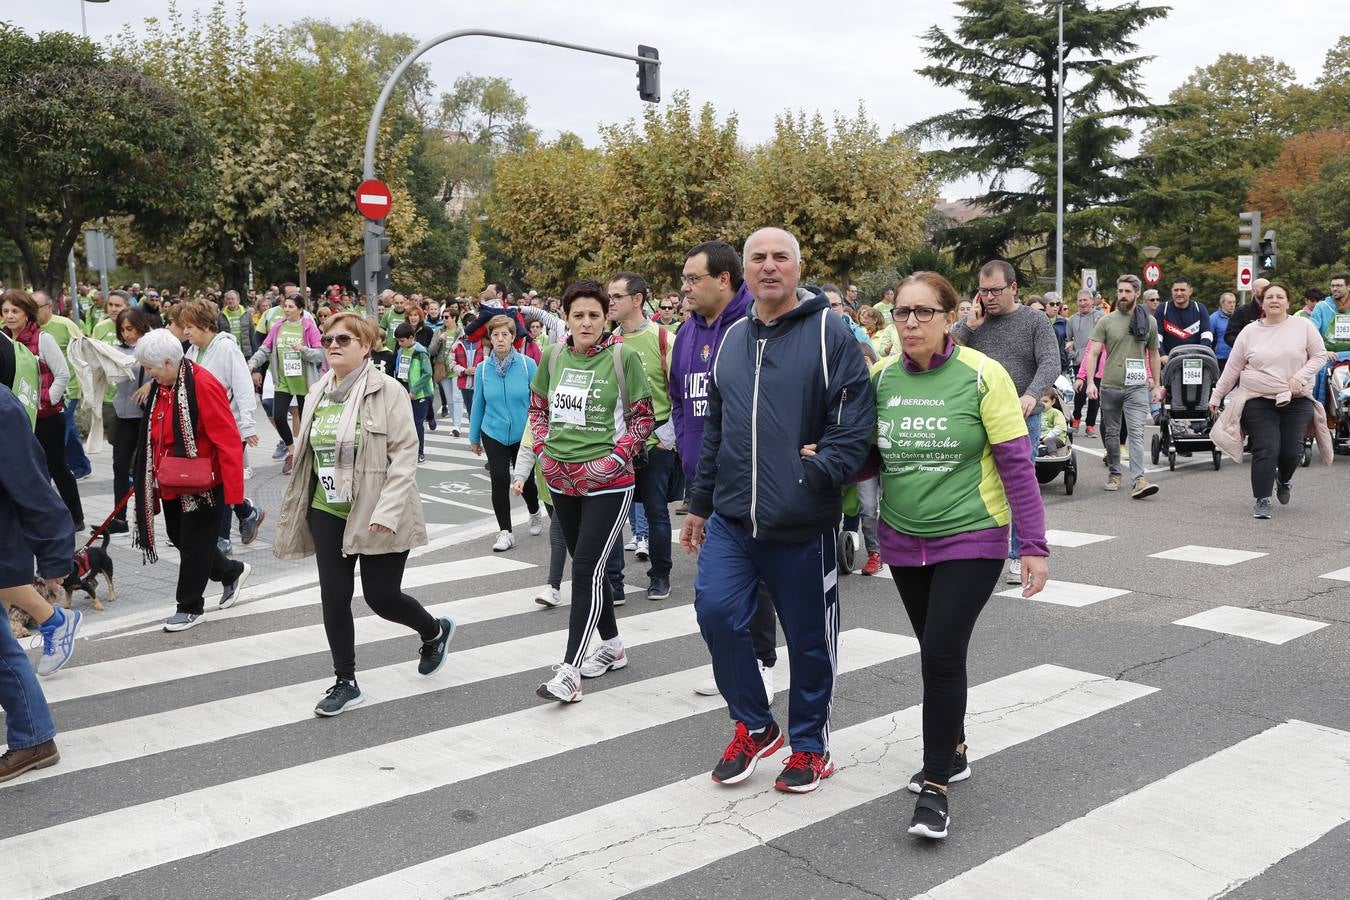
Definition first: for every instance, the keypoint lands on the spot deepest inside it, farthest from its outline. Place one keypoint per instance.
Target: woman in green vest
(293, 351)
(954, 458)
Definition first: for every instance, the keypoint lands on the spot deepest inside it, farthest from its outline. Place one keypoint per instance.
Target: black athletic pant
(1079, 398)
(199, 560)
(591, 525)
(764, 628)
(381, 581)
(943, 601)
(51, 434)
(1277, 439)
(281, 414)
(501, 459)
(125, 433)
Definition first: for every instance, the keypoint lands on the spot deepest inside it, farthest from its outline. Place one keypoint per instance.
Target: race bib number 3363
(568, 404)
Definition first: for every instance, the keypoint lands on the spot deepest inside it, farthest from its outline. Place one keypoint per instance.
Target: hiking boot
(15, 762)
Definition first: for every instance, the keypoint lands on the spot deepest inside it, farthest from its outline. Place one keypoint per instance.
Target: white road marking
(1068, 593)
(1251, 623)
(1211, 556)
(1057, 538)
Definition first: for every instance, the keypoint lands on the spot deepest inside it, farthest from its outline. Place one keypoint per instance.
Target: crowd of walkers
(781, 417)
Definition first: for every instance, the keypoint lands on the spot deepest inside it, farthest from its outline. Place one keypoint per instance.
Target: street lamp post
(1059, 162)
(70, 257)
(647, 60)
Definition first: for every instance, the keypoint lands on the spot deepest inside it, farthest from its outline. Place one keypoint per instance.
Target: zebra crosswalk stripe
(150, 834)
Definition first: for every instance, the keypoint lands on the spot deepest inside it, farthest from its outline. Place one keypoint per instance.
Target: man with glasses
(852, 297)
(628, 293)
(1023, 341)
(667, 312)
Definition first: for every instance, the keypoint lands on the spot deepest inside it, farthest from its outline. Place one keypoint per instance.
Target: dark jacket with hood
(691, 361)
(776, 387)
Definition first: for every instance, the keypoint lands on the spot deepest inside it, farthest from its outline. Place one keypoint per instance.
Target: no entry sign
(1152, 273)
(373, 199)
(1244, 273)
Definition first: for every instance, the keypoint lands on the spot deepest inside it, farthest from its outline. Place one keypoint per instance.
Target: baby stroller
(1184, 423)
(1053, 461)
(1338, 389)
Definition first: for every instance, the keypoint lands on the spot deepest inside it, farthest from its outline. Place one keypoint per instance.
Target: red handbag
(183, 475)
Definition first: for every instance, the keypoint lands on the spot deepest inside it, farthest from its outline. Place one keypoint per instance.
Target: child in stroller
(1054, 455)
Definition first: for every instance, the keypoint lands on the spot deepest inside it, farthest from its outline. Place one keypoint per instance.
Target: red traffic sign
(373, 199)
(1152, 273)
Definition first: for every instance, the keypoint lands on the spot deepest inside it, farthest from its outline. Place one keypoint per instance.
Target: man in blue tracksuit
(790, 417)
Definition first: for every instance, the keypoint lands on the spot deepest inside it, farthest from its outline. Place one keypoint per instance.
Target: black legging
(199, 559)
(51, 434)
(1277, 439)
(1079, 398)
(943, 601)
(281, 414)
(501, 459)
(590, 526)
(381, 582)
(125, 433)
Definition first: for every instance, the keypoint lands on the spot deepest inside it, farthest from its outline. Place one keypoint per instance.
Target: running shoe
(659, 589)
(280, 452)
(1143, 489)
(431, 424)
(873, 564)
(631, 545)
(1076, 423)
(1092, 431)
(1282, 489)
(433, 651)
(565, 685)
(421, 457)
(766, 675)
(224, 546)
(504, 542)
(803, 772)
(960, 772)
(537, 522)
(1261, 510)
(181, 621)
(707, 687)
(1112, 483)
(1014, 575)
(248, 529)
(642, 550)
(58, 640)
(548, 596)
(604, 658)
(930, 814)
(745, 751)
(455, 432)
(230, 593)
(341, 696)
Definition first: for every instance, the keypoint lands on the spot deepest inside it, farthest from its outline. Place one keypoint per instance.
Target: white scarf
(351, 393)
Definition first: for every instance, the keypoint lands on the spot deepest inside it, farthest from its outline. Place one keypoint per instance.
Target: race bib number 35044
(568, 404)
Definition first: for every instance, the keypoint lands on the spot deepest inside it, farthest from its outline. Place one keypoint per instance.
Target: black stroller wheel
(1156, 448)
(1218, 460)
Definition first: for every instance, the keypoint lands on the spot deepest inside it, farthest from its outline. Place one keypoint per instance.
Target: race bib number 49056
(569, 397)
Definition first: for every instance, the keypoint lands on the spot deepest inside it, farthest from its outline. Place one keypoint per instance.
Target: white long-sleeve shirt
(223, 359)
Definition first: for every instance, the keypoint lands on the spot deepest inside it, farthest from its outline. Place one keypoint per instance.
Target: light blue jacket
(501, 405)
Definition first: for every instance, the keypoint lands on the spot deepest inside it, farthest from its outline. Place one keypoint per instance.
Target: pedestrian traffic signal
(649, 75)
(1266, 258)
(384, 258)
(1249, 232)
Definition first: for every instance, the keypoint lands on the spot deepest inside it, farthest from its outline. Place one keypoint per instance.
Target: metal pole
(1059, 165)
(84, 25)
(70, 267)
(374, 230)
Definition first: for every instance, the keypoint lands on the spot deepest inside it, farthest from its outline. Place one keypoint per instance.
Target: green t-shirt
(935, 431)
(585, 419)
(323, 441)
(647, 341)
(1126, 360)
(269, 318)
(106, 331)
(1336, 333)
(65, 331)
(291, 363)
(27, 379)
(239, 319)
(390, 321)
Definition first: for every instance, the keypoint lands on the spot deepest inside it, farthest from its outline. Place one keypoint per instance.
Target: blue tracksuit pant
(802, 578)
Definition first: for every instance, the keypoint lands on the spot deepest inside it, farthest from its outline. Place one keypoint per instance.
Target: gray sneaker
(248, 529)
(229, 594)
(342, 695)
(181, 621)
(223, 545)
(1282, 489)
(1262, 508)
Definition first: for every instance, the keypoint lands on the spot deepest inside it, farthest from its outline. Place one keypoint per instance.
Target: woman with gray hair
(189, 460)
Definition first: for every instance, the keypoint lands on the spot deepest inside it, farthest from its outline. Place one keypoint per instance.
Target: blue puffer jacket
(774, 388)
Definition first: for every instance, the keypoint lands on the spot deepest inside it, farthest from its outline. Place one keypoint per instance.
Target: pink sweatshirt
(1268, 355)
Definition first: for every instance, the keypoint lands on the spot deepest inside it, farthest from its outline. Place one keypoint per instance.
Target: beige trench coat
(384, 485)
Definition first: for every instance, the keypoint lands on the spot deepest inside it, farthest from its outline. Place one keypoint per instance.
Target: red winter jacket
(216, 433)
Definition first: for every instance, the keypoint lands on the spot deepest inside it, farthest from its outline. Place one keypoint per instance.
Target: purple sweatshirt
(691, 362)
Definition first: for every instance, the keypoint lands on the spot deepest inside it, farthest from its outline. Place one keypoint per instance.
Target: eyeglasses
(922, 314)
(991, 291)
(834, 305)
(342, 340)
(666, 307)
(692, 280)
(619, 296)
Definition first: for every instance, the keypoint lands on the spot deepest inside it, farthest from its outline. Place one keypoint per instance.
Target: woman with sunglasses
(354, 497)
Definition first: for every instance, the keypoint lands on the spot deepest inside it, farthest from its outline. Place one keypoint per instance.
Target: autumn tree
(87, 137)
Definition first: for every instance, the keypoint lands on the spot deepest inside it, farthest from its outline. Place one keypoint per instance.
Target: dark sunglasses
(342, 340)
(667, 307)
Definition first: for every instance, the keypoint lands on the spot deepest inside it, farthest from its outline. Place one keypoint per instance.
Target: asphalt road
(1115, 751)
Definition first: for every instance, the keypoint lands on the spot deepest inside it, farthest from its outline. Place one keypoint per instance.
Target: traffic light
(1266, 258)
(649, 75)
(1249, 233)
(383, 244)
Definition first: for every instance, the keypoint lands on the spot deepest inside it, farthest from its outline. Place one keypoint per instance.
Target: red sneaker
(745, 750)
(1092, 431)
(803, 772)
(873, 565)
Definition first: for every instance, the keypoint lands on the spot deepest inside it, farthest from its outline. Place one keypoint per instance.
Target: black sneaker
(433, 651)
(341, 696)
(745, 751)
(930, 814)
(960, 772)
(1282, 489)
(803, 772)
(120, 526)
(659, 589)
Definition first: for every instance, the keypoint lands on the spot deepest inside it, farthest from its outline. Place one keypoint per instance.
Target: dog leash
(100, 529)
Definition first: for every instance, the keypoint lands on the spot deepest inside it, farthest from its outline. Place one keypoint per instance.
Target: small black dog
(87, 565)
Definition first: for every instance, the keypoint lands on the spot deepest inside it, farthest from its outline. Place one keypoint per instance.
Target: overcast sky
(753, 56)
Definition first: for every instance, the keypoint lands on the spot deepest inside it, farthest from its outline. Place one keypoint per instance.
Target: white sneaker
(548, 596)
(1014, 575)
(607, 656)
(565, 685)
(641, 549)
(767, 674)
(536, 522)
(248, 472)
(631, 545)
(58, 642)
(707, 687)
(505, 541)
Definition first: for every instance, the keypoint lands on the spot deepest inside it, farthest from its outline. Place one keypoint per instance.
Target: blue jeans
(76, 459)
(637, 519)
(653, 489)
(1033, 432)
(28, 720)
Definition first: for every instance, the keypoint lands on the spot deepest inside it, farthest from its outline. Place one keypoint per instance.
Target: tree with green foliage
(1003, 56)
(87, 137)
